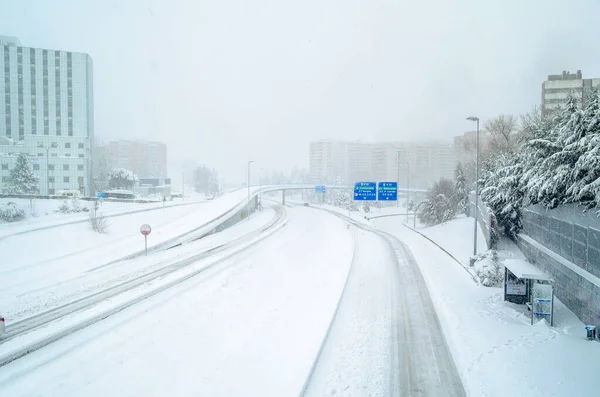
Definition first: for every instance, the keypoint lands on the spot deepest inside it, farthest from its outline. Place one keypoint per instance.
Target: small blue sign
(387, 191)
(320, 189)
(365, 191)
(101, 195)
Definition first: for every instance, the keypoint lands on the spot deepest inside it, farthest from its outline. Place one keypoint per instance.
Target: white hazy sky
(224, 81)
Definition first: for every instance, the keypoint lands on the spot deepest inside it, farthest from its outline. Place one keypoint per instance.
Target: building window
(81, 147)
(80, 168)
(5, 179)
(51, 179)
(54, 155)
(51, 191)
(67, 154)
(4, 166)
(51, 168)
(36, 167)
(81, 155)
(65, 167)
(66, 179)
(80, 180)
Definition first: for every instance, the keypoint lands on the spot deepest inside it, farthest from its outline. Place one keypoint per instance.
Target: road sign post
(365, 191)
(387, 191)
(145, 229)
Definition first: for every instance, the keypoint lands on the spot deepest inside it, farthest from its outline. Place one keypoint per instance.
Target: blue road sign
(320, 189)
(101, 195)
(365, 191)
(387, 191)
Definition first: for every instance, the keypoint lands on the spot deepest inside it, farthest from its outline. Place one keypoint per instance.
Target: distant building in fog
(558, 86)
(145, 159)
(349, 162)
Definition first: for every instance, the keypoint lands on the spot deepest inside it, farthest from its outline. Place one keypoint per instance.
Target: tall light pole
(407, 185)
(473, 118)
(51, 146)
(249, 162)
(260, 189)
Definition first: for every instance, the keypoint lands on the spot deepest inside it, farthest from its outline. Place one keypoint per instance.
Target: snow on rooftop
(524, 269)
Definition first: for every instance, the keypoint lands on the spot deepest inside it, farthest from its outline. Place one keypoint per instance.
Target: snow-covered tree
(461, 189)
(121, 178)
(502, 130)
(21, 179)
(439, 205)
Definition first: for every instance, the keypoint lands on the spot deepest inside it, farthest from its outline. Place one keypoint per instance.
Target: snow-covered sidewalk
(496, 350)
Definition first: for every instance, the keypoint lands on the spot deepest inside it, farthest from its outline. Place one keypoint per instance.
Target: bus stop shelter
(526, 284)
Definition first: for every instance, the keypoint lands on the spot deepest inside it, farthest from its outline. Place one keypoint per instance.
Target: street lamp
(260, 189)
(398, 176)
(249, 162)
(473, 118)
(52, 146)
(407, 186)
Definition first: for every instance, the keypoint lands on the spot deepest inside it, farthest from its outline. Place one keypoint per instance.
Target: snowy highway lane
(250, 327)
(385, 339)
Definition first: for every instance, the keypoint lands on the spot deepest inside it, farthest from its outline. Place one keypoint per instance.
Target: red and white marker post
(145, 229)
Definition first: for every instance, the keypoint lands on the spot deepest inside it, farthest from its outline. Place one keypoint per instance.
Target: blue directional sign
(365, 191)
(387, 191)
(320, 189)
(101, 195)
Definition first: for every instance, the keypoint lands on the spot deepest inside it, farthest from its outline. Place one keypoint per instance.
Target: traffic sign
(365, 191)
(101, 195)
(387, 191)
(145, 229)
(320, 189)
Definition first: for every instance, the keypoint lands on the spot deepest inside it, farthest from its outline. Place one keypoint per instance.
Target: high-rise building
(47, 113)
(558, 86)
(350, 162)
(147, 160)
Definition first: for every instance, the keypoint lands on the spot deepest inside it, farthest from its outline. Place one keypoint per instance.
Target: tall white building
(47, 112)
(350, 162)
(558, 86)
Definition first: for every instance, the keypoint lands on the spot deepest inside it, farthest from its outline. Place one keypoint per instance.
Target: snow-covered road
(251, 327)
(320, 307)
(386, 339)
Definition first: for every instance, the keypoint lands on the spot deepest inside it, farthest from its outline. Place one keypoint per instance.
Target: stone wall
(565, 243)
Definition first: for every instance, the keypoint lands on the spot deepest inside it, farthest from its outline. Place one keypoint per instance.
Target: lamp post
(407, 185)
(476, 119)
(51, 146)
(260, 189)
(249, 162)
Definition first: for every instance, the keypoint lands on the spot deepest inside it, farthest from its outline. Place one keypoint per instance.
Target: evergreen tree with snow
(121, 178)
(461, 189)
(439, 205)
(21, 179)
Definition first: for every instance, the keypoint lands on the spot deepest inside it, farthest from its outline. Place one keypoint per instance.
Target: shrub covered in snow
(10, 212)
(121, 178)
(489, 271)
(440, 204)
(72, 206)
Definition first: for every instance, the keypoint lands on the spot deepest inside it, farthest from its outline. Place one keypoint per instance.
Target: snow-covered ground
(496, 349)
(26, 293)
(67, 251)
(47, 217)
(251, 327)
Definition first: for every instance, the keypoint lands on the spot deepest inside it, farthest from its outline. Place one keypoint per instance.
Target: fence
(485, 218)
(565, 242)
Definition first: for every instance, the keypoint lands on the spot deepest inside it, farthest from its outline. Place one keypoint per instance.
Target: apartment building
(558, 86)
(47, 113)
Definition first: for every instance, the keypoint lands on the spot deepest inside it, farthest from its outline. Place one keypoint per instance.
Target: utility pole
(407, 185)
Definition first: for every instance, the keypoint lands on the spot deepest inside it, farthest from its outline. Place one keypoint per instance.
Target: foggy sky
(225, 81)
